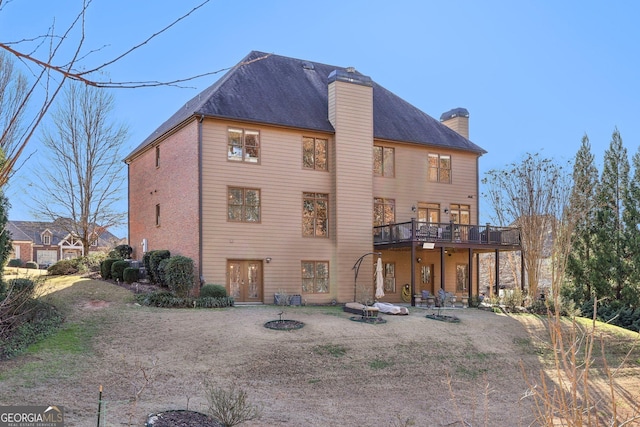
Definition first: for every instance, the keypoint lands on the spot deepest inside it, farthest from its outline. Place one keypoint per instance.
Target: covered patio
(439, 256)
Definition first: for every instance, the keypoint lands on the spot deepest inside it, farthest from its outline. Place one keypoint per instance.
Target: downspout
(522, 272)
(413, 262)
(129, 203)
(470, 273)
(200, 255)
(497, 291)
(413, 267)
(442, 268)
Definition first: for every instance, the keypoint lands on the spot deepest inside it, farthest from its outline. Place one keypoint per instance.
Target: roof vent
(351, 69)
(308, 66)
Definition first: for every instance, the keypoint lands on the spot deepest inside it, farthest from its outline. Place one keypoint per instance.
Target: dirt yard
(334, 371)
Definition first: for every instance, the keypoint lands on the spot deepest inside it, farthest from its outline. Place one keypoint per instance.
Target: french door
(245, 280)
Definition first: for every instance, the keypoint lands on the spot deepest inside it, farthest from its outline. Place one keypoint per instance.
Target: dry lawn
(333, 371)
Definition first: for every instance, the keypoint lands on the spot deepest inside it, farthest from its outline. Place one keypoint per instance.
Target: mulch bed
(180, 418)
(284, 325)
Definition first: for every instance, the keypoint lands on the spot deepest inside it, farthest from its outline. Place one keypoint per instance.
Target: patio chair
(428, 299)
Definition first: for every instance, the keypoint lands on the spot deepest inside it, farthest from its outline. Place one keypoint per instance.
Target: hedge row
(614, 313)
(169, 300)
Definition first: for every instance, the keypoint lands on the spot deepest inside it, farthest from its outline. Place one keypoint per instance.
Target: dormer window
(46, 238)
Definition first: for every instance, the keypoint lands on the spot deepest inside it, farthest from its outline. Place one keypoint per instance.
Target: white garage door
(46, 257)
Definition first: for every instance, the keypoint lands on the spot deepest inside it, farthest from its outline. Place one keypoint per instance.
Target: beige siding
(411, 185)
(352, 117)
(282, 181)
(459, 124)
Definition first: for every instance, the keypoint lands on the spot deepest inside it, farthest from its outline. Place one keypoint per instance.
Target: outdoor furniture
(428, 299)
(388, 308)
(361, 309)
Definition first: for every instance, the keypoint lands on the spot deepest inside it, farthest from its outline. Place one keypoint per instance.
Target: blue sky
(534, 75)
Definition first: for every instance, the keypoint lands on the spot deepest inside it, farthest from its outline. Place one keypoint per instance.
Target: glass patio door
(245, 280)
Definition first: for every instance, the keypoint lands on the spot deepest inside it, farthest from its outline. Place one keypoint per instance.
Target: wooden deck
(447, 234)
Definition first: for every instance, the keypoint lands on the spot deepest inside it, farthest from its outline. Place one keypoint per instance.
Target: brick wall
(26, 251)
(173, 185)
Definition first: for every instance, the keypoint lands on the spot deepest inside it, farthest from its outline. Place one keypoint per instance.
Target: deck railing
(418, 231)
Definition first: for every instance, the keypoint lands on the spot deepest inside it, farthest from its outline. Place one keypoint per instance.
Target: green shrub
(475, 301)
(614, 312)
(122, 252)
(131, 274)
(169, 300)
(155, 259)
(37, 321)
(163, 299)
(15, 304)
(105, 267)
(31, 264)
(19, 285)
(162, 281)
(16, 262)
(117, 270)
(179, 275)
(63, 267)
(539, 307)
(513, 299)
(90, 263)
(213, 291)
(146, 261)
(210, 302)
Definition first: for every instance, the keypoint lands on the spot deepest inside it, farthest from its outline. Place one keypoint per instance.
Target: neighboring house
(285, 173)
(48, 242)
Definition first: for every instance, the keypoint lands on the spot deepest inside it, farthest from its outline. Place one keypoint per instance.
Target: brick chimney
(458, 120)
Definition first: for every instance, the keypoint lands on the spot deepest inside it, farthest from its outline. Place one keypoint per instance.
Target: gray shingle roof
(291, 92)
(31, 231)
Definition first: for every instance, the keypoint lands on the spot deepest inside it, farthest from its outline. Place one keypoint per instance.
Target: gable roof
(283, 91)
(32, 231)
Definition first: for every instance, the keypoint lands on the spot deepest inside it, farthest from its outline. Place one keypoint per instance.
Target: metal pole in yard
(99, 404)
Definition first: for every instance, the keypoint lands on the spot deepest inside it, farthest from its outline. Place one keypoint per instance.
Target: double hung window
(314, 153)
(440, 168)
(243, 145)
(243, 204)
(315, 215)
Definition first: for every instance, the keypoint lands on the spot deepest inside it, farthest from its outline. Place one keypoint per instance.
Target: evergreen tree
(608, 274)
(5, 238)
(631, 218)
(582, 203)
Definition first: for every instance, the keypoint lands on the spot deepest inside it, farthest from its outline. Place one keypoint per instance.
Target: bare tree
(52, 58)
(83, 175)
(533, 195)
(13, 90)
